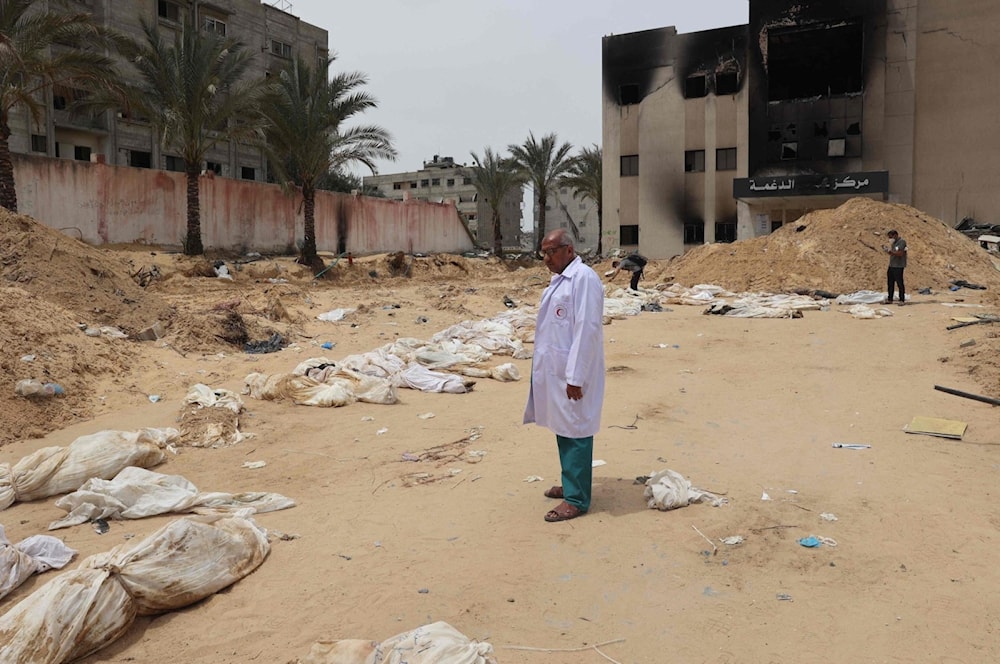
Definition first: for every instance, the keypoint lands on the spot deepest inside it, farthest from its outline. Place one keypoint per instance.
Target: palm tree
(306, 138)
(585, 178)
(39, 49)
(494, 177)
(541, 163)
(194, 94)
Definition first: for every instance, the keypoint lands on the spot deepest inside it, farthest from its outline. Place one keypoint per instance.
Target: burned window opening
(628, 95)
(725, 231)
(815, 61)
(695, 86)
(854, 129)
(727, 83)
(694, 232)
(789, 150)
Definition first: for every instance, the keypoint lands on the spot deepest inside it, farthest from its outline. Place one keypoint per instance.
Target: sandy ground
(740, 407)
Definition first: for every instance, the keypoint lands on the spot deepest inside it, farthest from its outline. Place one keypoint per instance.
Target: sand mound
(839, 250)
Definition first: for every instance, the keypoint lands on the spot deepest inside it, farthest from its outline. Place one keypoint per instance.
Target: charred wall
(809, 63)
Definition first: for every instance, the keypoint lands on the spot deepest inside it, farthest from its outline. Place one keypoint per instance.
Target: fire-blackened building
(727, 134)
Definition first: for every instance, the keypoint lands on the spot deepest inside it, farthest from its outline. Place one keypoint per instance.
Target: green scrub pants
(576, 456)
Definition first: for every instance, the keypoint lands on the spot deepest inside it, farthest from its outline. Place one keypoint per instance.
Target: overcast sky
(454, 76)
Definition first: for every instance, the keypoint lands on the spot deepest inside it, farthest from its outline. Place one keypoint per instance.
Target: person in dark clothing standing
(897, 263)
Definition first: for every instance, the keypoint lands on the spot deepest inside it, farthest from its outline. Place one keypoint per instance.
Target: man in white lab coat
(567, 372)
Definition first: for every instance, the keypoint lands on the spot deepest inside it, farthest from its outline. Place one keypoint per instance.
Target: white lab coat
(569, 349)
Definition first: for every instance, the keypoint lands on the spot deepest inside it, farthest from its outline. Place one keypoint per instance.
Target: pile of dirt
(839, 251)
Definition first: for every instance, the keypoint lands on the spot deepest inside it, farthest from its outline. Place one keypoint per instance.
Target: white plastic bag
(667, 490)
(32, 555)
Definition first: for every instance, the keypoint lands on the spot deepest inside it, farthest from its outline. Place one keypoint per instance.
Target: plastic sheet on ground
(668, 490)
(136, 493)
(321, 384)
(696, 295)
(863, 311)
(436, 643)
(861, 297)
(51, 471)
(768, 305)
(32, 555)
(335, 315)
(211, 418)
(85, 609)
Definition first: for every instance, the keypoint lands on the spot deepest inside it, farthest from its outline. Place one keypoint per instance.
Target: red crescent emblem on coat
(560, 312)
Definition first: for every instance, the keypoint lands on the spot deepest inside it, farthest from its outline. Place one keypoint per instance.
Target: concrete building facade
(576, 213)
(727, 134)
(442, 180)
(273, 35)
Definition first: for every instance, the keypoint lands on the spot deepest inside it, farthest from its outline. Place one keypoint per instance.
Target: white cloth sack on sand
(864, 312)
(51, 471)
(85, 609)
(861, 297)
(332, 386)
(32, 555)
(135, 493)
(668, 490)
(205, 396)
(437, 643)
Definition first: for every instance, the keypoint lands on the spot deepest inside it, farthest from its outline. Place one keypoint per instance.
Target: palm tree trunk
(192, 242)
(8, 195)
(308, 255)
(540, 231)
(497, 234)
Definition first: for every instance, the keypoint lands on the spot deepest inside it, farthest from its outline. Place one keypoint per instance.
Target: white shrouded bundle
(437, 643)
(51, 471)
(32, 555)
(85, 609)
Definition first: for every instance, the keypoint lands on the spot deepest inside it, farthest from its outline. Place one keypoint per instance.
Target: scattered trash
(962, 283)
(27, 358)
(666, 346)
(425, 416)
(410, 457)
(101, 526)
(272, 345)
(532, 478)
(852, 446)
(827, 516)
(154, 398)
(652, 306)
(367, 418)
(925, 291)
(764, 496)
(968, 395)
(598, 462)
(509, 303)
(277, 280)
(328, 345)
(151, 333)
(254, 465)
(476, 454)
(421, 319)
(933, 426)
(391, 306)
(382, 431)
(35, 388)
(92, 332)
(335, 315)
(812, 541)
(221, 271)
(783, 597)
(732, 540)
(968, 343)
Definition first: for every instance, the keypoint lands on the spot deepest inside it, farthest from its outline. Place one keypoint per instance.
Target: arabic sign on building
(868, 182)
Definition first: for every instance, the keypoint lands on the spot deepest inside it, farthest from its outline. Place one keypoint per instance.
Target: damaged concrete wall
(103, 204)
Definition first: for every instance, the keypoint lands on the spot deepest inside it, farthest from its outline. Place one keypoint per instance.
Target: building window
(214, 167)
(81, 153)
(281, 49)
(695, 86)
(425, 183)
(140, 159)
(790, 150)
(248, 173)
(727, 83)
(836, 147)
(39, 143)
(168, 10)
(466, 180)
(215, 26)
(694, 161)
(59, 102)
(694, 232)
(630, 165)
(775, 225)
(413, 185)
(172, 163)
(451, 182)
(628, 235)
(725, 159)
(628, 95)
(435, 182)
(725, 231)
(397, 185)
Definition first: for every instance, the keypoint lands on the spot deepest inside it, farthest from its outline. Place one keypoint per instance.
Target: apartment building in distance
(577, 214)
(442, 179)
(727, 134)
(274, 35)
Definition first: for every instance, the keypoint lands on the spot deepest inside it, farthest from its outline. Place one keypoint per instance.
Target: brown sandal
(563, 512)
(554, 492)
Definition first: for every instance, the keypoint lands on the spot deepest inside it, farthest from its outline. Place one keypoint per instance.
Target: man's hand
(573, 392)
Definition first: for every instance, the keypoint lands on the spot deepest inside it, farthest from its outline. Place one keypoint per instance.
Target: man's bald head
(559, 237)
